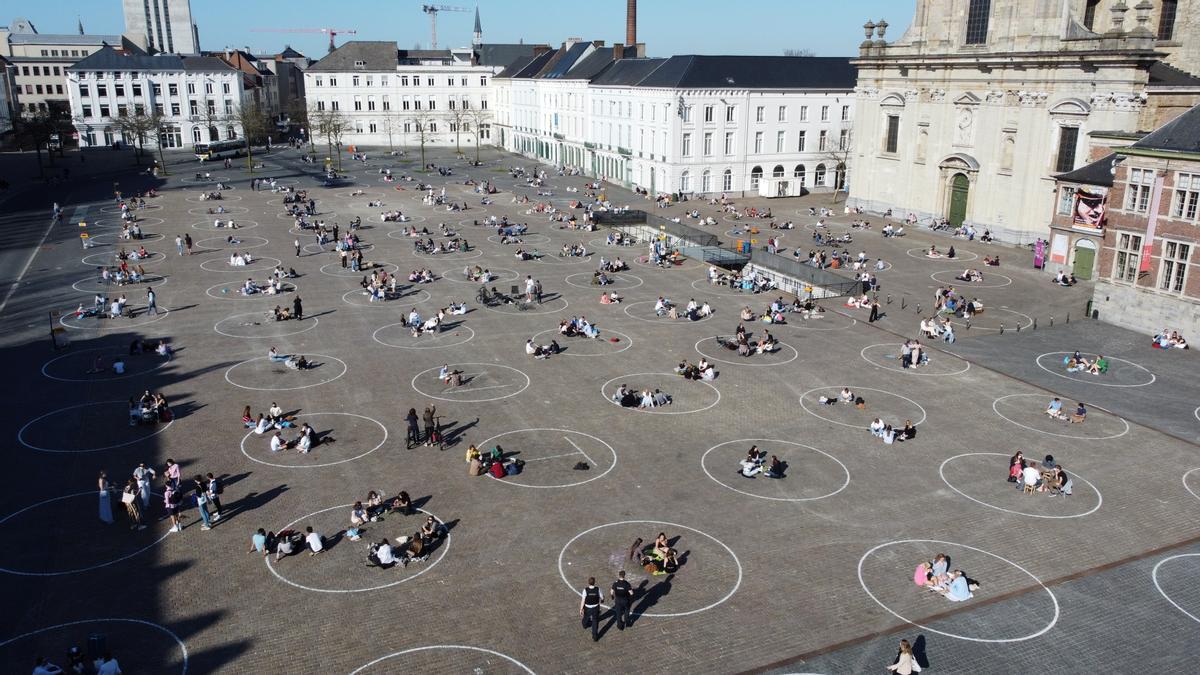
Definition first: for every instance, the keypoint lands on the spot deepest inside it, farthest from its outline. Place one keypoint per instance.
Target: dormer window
(360, 64)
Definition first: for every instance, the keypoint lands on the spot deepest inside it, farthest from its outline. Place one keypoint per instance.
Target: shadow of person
(657, 592)
(918, 648)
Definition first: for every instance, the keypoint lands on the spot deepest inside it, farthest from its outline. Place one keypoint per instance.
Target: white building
(385, 93)
(162, 25)
(198, 96)
(777, 126)
(40, 62)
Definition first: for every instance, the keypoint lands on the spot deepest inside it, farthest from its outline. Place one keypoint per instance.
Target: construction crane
(333, 32)
(432, 11)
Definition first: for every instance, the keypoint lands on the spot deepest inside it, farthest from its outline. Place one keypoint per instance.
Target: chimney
(618, 51)
(631, 22)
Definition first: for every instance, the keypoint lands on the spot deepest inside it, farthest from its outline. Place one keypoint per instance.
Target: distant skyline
(667, 27)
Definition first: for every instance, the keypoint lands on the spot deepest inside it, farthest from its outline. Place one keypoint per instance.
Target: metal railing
(830, 284)
(691, 236)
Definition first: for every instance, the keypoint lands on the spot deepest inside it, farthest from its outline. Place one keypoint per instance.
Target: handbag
(127, 497)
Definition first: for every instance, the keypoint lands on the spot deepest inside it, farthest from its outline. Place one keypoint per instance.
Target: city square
(431, 305)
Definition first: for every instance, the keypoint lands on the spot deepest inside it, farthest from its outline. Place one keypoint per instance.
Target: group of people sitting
(631, 398)
(578, 327)
(658, 558)
(845, 397)
(1054, 409)
(693, 311)
(576, 250)
(890, 434)
(991, 261)
(619, 238)
(1078, 363)
(933, 252)
(273, 419)
(148, 409)
(744, 346)
(703, 370)
(937, 577)
(495, 462)
(1063, 279)
(272, 286)
(970, 275)
(418, 326)
(948, 301)
(756, 463)
(431, 247)
(292, 361)
(122, 275)
(305, 440)
(612, 266)
(890, 231)
(772, 314)
(408, 549)
(138, 254)
(240, 259)
(1049, 477)
(539, 351)
(1169, 339)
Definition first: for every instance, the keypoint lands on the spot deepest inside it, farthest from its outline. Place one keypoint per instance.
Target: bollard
(903, 302)
(1002, 328)
(889, 298)
(1052, 321)
(1068, 317)
(918, 308)
(1035, 323)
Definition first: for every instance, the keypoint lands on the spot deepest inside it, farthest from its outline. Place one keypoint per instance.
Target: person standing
(187, 242)
(132, 506)
(905, 663)
(214, 495)
(622, 598)
(414, 432)
(297, 308)
(105, 499)
(428, 417)
(589, 607)
(202, 502)
(179, 244)
(874, 312)
(143, 475)
(296, 243)
(171, 473)
(151, 301)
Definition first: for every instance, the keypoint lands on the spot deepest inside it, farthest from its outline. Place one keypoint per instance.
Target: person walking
(589, 607)
(202, 501)
(105, 499)
(179, 244)
(143, 475)
(187, 242)
(296, 243)
(151, 301)
(297, 308)
(171, 499)
(905, 663)
(622, 598)
(214, 495)
(874, 312)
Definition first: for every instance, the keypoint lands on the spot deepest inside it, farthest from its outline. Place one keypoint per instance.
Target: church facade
(969, 114)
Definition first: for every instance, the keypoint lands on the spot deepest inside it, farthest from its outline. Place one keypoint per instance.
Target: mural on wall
(1090, 208)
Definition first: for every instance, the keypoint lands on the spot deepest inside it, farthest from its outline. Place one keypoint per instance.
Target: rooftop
(1180, 135)
(1097, 173)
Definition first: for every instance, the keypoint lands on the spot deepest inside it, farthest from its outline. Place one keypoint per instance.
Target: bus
(220, 149)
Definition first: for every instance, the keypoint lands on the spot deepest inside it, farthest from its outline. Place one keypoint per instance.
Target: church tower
(477, 39)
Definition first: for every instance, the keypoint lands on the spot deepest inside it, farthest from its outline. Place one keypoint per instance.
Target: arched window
(755, 177)
(195, 134)
(230, 133)
(777, 172)
(727, 180)
(685, 182)
(819, 177)
(706, 181)
(839, 181)
(213, 134)
(798, 174)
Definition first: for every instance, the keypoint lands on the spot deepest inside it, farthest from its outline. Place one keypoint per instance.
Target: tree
(799, 52)
(298, 114)
(212, 121)
(425, 126)
(256, 126)
(838, 153)
(331, 124)
(456, 117)
(38, 128)
(138, 126)
(480, 118)
(391, 124)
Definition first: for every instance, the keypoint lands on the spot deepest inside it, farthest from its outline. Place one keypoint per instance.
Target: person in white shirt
(1031, 476)
(877, 427)
(275, 411)
(846, 395)
(383, 555)
(316, 543)
(304, 444)
(277, 442)
(108, 665)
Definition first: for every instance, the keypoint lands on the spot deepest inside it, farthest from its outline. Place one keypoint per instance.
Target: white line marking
(470, 389)
(75, 218)
(589, 459)
(567, 454)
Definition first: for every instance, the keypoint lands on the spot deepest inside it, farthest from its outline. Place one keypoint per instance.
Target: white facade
(683, 140)
(197, 106)
(162, 25)
(384, 107)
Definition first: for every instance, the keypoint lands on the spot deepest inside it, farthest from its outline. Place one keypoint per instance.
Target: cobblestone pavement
(812, 572)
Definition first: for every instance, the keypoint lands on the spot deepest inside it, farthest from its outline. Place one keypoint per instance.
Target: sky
(668, 27)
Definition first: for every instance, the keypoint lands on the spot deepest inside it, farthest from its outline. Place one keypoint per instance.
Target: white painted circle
(233, 247)
(222, 200)
(182, 647)
(421, 338)
(473, 400)
(88, 493)
(525, 239)
(115, 223)
(268, 559)
(975, 327)
(510, 659)
(1144, 369)
(608, 398)
(474, 253)
(217, 329)
(204, 181)
(970, 284)
(718, 481)
(747, 361)
(1186, 486)
(555, 259)
(113, 324)
(682, 320)
(114, 208)
(21, 433)
(306, 355)
(502, 274)
(336, 269)
(958, 255)
(543, 308)
(1050, 433)
(809, 324)
(257, 265)
(147, 237)
(235, 294)
(117, 350)
(602, 474)
(412, 220)
(562, 572)
(1196, 413)
(911, 371)
(705, 286)
(1073, 474)
(1040, 632)
(110, 259)
(856, 389)
(616, 275)
(603, 333)
(317, 466)
(1157, 585)
(155, 280)
(320, 215)
(229, 211)
(207, 226)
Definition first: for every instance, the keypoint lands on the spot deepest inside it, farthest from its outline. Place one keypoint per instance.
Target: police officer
(622, 597)
(589, 607)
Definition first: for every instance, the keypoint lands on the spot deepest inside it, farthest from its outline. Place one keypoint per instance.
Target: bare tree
(212, 119)
(298, 114)
(481, 118)
(799, 52)
(838, 153)
(456, 117)
(137, 127)
(331, 124)
(425, 126)
(391, 124)
(256, 126)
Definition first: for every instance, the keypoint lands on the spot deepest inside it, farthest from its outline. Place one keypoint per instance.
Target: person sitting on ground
(316, 543)
(359, 515)
(381, 555)
(908, 433)
(1099, 366)
(1054, 409)
(1060, 483)
(846, 396)
(877, 428)
(775, 468)
(958, 589)
(752, 464)
(1080, 414)
(1031, 477)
